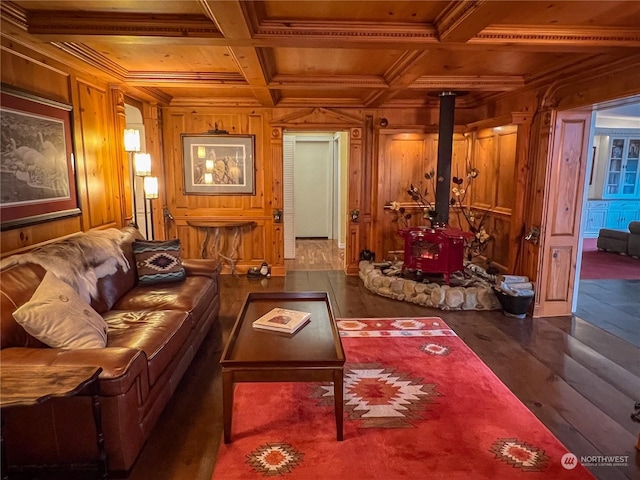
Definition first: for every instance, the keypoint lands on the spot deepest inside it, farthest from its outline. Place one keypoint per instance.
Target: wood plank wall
(102, 166)
(493, 193)
(403, 158)
(98, 153)
(258, 242)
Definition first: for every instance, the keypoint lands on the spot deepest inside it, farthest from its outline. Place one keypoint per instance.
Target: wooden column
(277, 203)
(121, 158)
(369, 176)
(522, 182)
(355, 198)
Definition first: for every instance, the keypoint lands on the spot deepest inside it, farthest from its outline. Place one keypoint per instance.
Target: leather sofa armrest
(207, 267)
(121, 367)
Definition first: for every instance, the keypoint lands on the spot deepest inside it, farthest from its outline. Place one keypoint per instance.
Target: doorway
(314, 200)
(607, 283)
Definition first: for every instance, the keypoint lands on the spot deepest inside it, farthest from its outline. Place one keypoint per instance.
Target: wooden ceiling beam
(399, 76)
(212, 101)
(586, 37)
(462, 20)
(327, 81)
(61, 23)
(256, 64)
(195, 79)
(514, 38)
(469, 82)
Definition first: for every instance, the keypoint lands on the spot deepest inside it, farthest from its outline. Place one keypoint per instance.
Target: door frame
(304, 136)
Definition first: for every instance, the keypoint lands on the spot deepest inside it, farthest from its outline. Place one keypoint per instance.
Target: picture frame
(37, 171)
(215, 164)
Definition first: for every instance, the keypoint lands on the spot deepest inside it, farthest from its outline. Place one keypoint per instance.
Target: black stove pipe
(445, 153)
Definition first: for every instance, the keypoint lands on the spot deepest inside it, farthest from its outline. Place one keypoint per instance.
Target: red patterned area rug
(418, 404)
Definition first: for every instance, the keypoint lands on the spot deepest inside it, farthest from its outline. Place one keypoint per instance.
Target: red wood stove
(434, 250)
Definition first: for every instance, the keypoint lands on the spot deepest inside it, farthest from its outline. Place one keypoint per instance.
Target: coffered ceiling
(331, 53)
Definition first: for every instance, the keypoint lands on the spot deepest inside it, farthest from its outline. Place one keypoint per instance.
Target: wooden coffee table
(313, 354)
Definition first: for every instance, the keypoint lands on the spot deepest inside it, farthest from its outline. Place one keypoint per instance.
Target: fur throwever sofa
(152, 334)
(627, 243)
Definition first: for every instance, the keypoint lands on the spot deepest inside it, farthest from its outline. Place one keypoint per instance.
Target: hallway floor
(316, 254)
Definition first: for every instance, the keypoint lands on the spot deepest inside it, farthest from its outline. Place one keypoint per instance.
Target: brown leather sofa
(153, 334)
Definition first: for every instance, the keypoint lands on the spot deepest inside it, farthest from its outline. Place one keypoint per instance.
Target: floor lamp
(132, 145)
(143, 169)
(150, 193)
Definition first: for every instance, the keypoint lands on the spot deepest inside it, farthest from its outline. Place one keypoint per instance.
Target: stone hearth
(473, 293)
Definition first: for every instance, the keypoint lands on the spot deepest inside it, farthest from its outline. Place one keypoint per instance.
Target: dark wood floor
(579, 380)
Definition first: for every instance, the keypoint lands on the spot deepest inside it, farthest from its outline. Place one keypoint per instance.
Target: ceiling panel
(362, 11)
(315, 51)
(172, 58)
(128, 6)
(573, 13)
(334, 61)
(500, 62)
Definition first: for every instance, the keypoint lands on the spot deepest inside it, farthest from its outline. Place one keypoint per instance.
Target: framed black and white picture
(37, 173)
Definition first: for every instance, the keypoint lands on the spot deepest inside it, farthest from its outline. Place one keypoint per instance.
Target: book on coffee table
(283, 320)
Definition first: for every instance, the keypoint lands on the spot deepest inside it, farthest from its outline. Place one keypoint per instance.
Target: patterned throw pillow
(158, 261)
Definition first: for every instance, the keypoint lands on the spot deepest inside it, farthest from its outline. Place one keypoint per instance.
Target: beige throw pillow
(58, 317)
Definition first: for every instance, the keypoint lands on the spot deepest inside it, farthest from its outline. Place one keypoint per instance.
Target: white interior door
(288, 151)
(312, 188)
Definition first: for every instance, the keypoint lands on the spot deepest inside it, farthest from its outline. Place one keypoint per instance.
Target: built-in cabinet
(615, 214)
(621, 179)
(614, 183)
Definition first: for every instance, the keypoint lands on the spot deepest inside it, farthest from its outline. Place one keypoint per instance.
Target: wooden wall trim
(121, 157)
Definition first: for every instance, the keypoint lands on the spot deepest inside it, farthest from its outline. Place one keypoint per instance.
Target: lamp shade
(150, 187)
(132, 140)
(142, 163)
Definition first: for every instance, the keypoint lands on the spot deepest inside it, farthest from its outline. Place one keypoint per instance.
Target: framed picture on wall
(218, 164)
(37, 173)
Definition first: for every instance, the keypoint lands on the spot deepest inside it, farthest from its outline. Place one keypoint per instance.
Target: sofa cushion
(17, 285)
(160, 335)
(192, 296)
(58, 317)
(634, 227)
(112, 287)
(158, 261)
